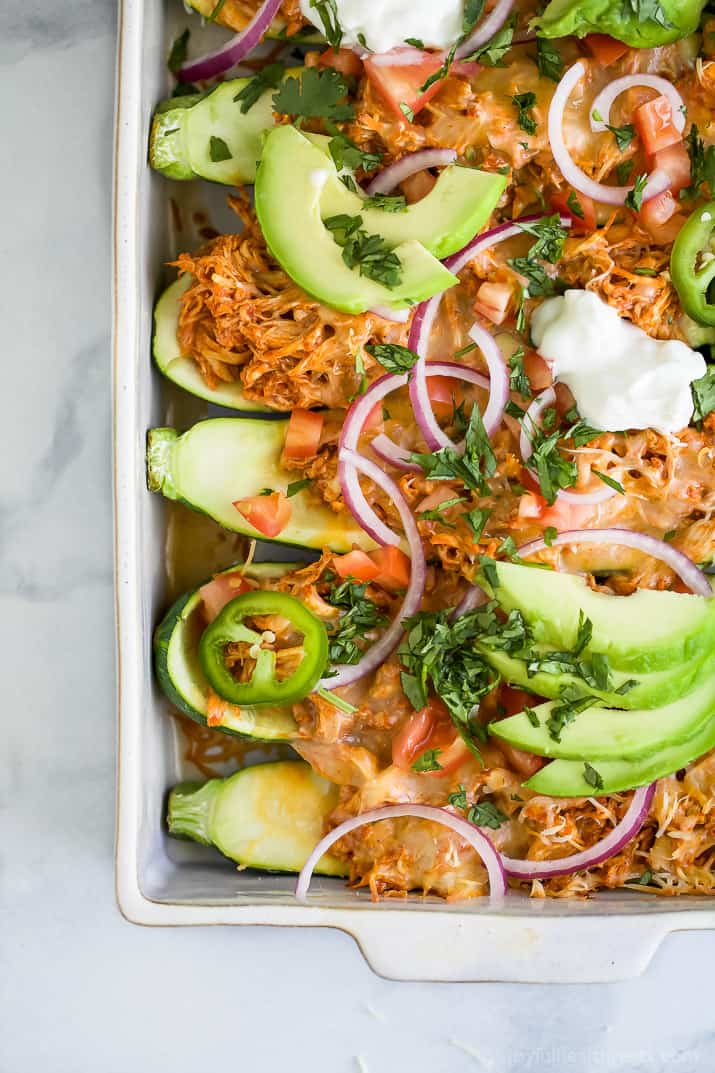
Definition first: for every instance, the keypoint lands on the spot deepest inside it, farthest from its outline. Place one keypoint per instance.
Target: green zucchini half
(178, 670)
(228, 458)
(182, 370)
(270, 816)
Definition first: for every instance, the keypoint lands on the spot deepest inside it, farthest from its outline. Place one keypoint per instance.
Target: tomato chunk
(538, 371)
(303, 435)
(444, 393)
(347, 62)
(605, 49)
(675, 162)
(580, 208)
(430, 728)
(657, 211)
(393, 567)
(654, 122)
(492, 301)
(268, 514)
(219, 591)
(399, 83)
(356, 564)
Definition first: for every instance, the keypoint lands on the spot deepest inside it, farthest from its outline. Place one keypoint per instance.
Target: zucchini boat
(270, 816)
(182, 370)
(228, 458)
(179, 673)
(206, 136)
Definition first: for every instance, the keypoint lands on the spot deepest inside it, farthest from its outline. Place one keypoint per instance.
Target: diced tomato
(216, 593)
(605, 49)
(580, 208)
(431, 728)
(666, 234)
(538, 371)
(513, 700)
(654, 123)
(399, 82)
(268, 514)
(492, 301)
(417, 186)
(356, 564)
(657, 211)
(393, 567)
(347, 62)
(675, 162)
(526, 764)
(303, 436)
(374, 420)
(561, 515)
(444, 394)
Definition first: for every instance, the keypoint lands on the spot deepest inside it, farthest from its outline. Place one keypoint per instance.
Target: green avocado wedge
(641, 25)
(647, 631)
(229, 458)
(207, 136)
(444, 221)
(182, 370)
(178, 668)
(269, 816)
(652, 689)
(567, 778)
(291, 219)
(603, 734)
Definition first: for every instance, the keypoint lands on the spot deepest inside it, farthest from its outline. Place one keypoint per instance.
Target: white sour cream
(619, 376)
(384, 24)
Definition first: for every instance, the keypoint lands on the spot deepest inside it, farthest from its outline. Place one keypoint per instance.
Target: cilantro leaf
(634, 200)
(441, 72)
(624, 135)
(574, 205)
(473, 11)
(297, 486)
(328, 14)
(550, 237)
(477, 519)
(359, 615)
(493, 52)
(592, 777)
(702, 164)
(518, 380)
(548, 59)
(472, 468)
(269, 77)
(386, 202)
(370, 254)
(177, 54)
(486, 814)
(428, 761)
(392, 356)
(616, 485)
(318, 93)
(346, 154)
(218, 150)
(524, 104)
(704, 394)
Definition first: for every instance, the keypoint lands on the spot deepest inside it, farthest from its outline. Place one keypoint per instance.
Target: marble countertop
(81, 990)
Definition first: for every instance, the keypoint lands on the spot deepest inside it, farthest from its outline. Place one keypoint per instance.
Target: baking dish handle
(538, 948)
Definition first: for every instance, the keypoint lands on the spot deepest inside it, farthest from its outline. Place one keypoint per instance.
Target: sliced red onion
(604, 101)
(657, 183)
(363, 406)
(393, 454)
(402, 56)
(683, 566)
(479, 842)
(532, 421)
(498, 378)
(381, 649)
(625, 830)
(473, 598)
(359, 507)
(486, 29)
(390, 177)
(222, 59)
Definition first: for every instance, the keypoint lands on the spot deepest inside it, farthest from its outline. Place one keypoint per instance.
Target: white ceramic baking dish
(163, 882)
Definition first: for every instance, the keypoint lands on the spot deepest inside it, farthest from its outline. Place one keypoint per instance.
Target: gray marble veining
(81, 991)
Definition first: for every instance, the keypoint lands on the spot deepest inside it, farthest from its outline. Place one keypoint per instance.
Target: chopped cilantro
(476, 519)
(565, 712)
(328, 14)
(266, 492)
(458, 799)
(592, 777)
(616, 485)
(318, 93)
(646, 11)
(297, 486)
(702, 164)
(407, 112)
(370, 254)
(435, 515)
(524, 104)
(652, 273)
(177, 54)
(473, 11)
(550, 535)
(441, 72)
(486, 814)
(550, 237)
(574, 205)
(428, 761)
(465, 350)
(704, 394)
(416, 42)
(337, 702)
(532, 716)
(346, 154)
(392, 356)
(359, 615)
(623, 171)
(472, 468)
(269, 77)
(518, 380)
(386, 202)
(360, 370)
(645, 879)
(548, 59)
(624, 135)
(493, 52)
(634, 200)
(218, 150)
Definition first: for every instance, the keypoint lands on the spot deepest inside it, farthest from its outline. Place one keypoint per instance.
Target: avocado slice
(178, 670)
(603, 734)
(445, 220)
(190, 136)
(269, 816)
(647, 631)
(566, 778)
(183, 370)
(228, 458)
(289, 185)
(651, 690)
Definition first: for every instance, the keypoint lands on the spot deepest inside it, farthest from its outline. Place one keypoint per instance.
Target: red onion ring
(393, 454)
(466, 830)
(604, 101)
(401, 56)
(359, 507)
(381, 649)
(473, 598)
(657, 183)
(498, 378)
(532, 418)
(683, 566)
(390, 177)
(222, 59)
(625, 830)
(486, 29)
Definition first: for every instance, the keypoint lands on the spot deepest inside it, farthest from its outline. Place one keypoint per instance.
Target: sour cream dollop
(387, 24)
(619, 376)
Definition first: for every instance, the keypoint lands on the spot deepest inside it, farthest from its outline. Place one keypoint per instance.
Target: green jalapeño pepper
(692, 264)
(263, 687)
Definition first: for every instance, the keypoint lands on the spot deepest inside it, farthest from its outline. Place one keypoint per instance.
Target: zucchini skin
(162, 638)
